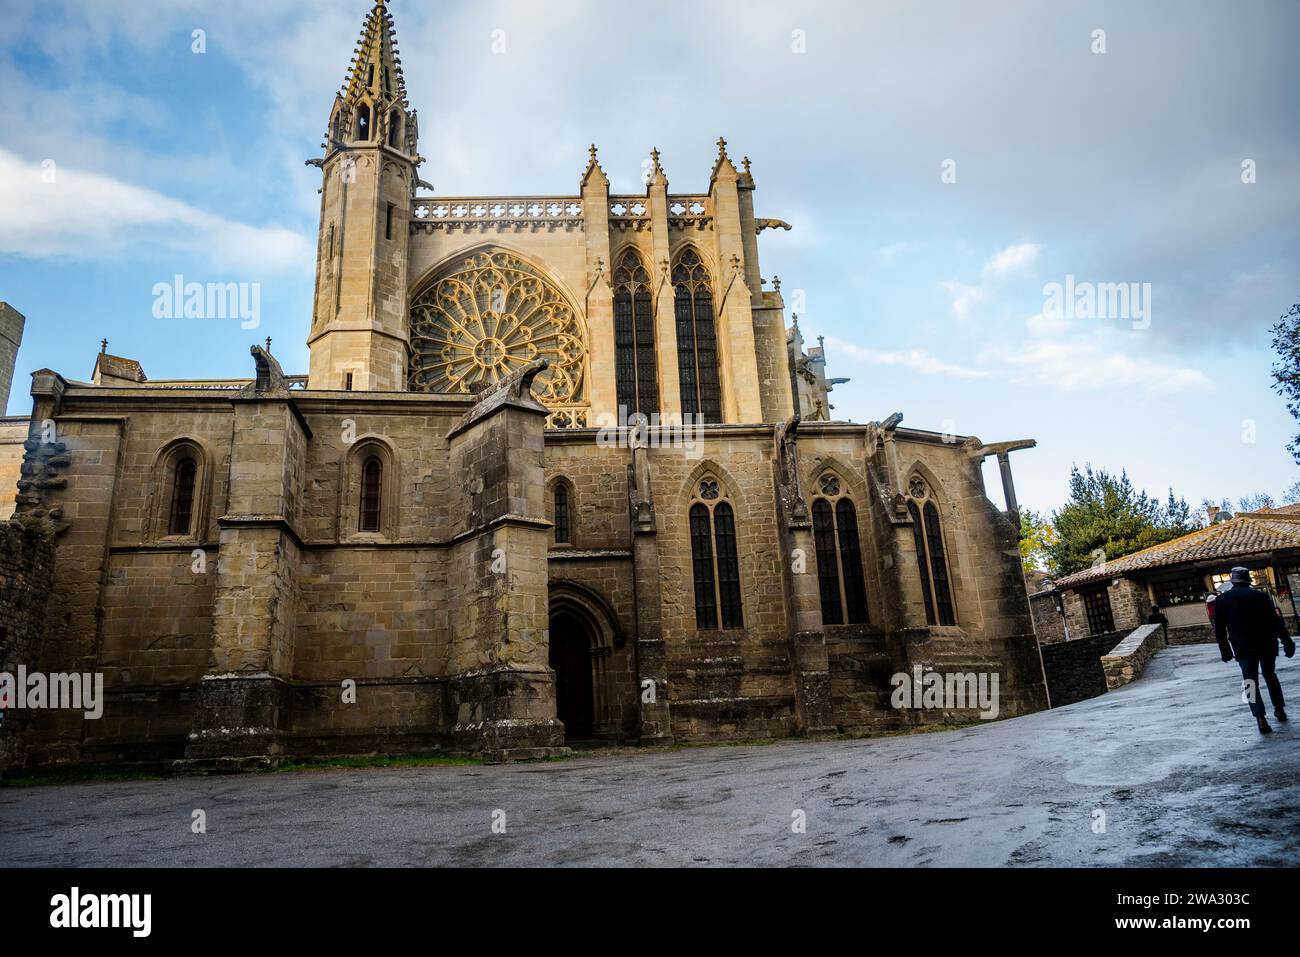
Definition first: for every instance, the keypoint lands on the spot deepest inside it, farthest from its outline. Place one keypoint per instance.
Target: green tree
(1253, 503)
(1291, 496)
(1036, 536)
(1107, 518)
(1286, 374)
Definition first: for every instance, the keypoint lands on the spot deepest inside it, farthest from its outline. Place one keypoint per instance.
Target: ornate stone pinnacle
(103, 345)
(745, 162)
(776, 283)
(592, 152)
(722, 148)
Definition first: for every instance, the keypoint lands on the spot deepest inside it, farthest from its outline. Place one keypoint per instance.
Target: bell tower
(359, 338)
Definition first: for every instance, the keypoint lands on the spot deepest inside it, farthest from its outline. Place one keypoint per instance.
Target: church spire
(376, 69)
(372, 105)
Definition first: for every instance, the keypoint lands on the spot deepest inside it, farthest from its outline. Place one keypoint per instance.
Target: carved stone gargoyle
(270, 382)
(790, 487)
(640, 502)
(514, 389)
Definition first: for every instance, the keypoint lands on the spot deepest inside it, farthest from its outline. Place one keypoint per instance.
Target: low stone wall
(1127, 659)
(1073, 668)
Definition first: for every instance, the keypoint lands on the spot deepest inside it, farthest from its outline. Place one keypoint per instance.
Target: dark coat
(1245, 620)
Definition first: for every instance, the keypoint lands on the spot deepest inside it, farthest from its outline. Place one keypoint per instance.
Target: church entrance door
(570, 659)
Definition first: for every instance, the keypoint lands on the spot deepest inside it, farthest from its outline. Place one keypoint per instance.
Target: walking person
(1247, 629)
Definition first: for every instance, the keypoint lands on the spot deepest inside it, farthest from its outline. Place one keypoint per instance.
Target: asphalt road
(1173, 762)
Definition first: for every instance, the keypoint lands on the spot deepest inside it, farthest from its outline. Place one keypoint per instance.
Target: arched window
(697, 341)
(635, 360)
(563, 522)
(181, 516)
(394, 127)
(363, 122)
(839, 554)
(372, 484)
(714, 561)
(931, 558)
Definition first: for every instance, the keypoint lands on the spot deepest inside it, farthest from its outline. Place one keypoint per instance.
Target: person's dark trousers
(1250, 669)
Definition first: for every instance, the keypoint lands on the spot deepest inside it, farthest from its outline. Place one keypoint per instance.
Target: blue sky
(1122, 166)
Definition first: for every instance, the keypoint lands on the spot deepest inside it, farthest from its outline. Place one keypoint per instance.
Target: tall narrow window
(388, 223)
(922, 563)
(855, 588)
(372, 478)
(697, 342)
(931, 557)
(363, 122)
(563, 528)
(828, 565)
(182, 510)
(394, 128)
(635, 360)
(706, 595)
(715, 560)
(839, 554)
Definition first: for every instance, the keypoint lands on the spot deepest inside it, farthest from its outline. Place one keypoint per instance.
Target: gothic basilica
(559, 471)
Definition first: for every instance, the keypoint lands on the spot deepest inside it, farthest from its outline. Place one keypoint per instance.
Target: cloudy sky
(941, 163)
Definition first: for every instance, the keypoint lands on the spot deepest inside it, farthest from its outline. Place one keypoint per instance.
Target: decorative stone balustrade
(483, 213)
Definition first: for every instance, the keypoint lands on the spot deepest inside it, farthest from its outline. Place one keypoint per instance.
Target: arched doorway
(571, 660)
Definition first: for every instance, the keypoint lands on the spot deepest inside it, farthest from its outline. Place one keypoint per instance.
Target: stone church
(560, 470)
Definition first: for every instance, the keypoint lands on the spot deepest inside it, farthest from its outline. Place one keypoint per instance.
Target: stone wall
(27, 559)
(1074, 669)
(1126, 660)
(1049, 625)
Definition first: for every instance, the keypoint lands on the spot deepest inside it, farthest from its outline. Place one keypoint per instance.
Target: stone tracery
(487, 318)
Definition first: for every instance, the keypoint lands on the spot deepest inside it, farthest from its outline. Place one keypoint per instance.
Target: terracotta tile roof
(1248, 534)
(1279, 510)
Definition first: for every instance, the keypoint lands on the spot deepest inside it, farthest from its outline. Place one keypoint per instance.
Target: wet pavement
(1167, 771)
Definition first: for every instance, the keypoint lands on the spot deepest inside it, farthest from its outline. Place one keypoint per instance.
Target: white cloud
(1011, 260)
(999, 267)
(83, 215)
(915, 359)
(1041, 325)
(964, 298)
(1079, 365)
(891, 252)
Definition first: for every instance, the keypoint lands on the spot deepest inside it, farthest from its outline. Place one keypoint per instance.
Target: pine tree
(1107, 518)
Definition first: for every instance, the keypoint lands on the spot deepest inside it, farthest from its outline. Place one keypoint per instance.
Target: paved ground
(1173, 761)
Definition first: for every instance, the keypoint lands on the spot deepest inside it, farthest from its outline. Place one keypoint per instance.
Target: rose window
(488, 318)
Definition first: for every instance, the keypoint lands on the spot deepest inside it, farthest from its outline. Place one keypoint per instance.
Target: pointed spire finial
(103, 346)
(722, 147)
(592, 152)
(776, 283)
(745, 163)
(268, 338)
